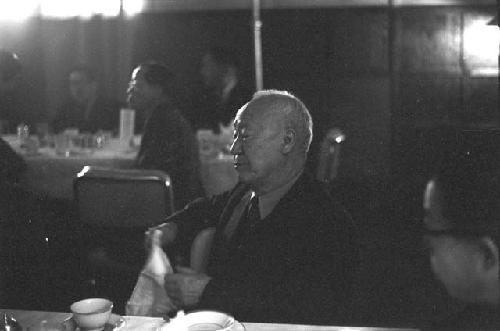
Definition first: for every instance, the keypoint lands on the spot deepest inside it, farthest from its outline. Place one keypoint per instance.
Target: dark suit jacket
(169, 144)
(104, 115)
(472, 317)
(295, 268)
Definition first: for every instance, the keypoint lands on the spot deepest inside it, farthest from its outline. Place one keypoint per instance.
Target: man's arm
(185, 224)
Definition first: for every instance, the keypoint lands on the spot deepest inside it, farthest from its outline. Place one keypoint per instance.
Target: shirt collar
(268, 201)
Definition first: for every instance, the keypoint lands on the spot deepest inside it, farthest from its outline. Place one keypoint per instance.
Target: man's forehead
(257, 109)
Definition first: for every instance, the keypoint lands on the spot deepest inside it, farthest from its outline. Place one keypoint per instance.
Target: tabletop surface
(29, 318)
(114, 149)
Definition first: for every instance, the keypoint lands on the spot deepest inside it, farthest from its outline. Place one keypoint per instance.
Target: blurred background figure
(222, 93)
(22, 233)
(11, 100)
(168, 142)
(86, 109)
(461, 230)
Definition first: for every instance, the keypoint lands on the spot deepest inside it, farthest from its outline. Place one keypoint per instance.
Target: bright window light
(17, 10)
(99, 7)
(80, 8)
(133, 7)
(59, 8)
(481, 42)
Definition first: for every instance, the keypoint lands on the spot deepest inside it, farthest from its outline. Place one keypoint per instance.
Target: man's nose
(235, 147)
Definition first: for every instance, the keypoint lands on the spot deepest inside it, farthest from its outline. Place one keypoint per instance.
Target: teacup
(92, 314)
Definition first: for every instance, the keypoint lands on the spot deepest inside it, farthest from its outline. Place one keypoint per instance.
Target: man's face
(210, 71)
(455, 261)
(140, 94)
(257, 145)
(80, 87)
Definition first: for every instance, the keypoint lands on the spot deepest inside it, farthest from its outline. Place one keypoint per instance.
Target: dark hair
(10, 66)
(470, 195)
(86, 70)
(224, 56)
(156, 73)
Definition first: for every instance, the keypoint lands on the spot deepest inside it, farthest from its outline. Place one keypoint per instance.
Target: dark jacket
(472, 317)
(104, 115)
(169, 144)
(296, 267)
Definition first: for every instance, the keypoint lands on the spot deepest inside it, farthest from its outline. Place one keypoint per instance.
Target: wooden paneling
(361, 108)
(358, 42)
(428, 100)
(480, 102)
(427, 41)
(162, 5)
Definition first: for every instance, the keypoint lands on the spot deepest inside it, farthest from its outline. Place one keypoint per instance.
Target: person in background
(222, 92)
(13, 102)
(168, 142)
(462, 231)
(283, 251)
(86, 109)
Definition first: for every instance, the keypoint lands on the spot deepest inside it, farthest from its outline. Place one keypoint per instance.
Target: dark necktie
(250, 217)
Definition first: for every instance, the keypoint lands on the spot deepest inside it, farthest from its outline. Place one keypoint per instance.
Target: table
(133, 323)
(51, 174)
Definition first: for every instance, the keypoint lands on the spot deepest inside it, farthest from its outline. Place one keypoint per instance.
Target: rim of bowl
(108, 306)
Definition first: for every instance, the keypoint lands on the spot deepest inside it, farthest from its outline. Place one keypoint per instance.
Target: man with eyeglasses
(461, 229)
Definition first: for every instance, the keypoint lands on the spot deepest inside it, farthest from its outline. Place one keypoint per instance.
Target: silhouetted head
(151, 83)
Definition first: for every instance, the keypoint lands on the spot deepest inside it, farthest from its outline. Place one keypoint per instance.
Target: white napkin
(149, 297)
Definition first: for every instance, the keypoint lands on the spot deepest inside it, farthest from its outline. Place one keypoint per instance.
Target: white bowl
(202, 321)
(92, 314)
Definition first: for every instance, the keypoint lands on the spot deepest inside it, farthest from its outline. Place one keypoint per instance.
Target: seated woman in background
(168, 143)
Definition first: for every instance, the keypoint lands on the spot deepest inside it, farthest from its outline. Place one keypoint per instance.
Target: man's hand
(169, 232)
(186, 286)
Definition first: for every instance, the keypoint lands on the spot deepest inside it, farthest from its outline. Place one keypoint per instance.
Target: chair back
(329, 156)
(108, 197)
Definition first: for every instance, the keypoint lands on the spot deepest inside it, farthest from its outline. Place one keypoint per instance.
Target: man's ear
(289, 140)
(489, 250)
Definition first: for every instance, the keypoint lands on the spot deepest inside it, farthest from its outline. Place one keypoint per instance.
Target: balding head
(272, 136)
(290, 111)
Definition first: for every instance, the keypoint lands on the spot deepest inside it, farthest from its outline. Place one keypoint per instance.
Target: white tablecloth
(52, 174)
(132, 323)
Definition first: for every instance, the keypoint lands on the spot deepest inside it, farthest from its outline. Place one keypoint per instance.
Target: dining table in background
(28, 318)
(52, 174)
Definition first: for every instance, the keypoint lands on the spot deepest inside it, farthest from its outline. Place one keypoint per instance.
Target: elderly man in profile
(283, 251)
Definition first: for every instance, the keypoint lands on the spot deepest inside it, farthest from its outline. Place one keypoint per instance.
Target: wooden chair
(329, 156)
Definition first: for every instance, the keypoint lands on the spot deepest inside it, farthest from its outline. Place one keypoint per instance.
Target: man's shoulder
(309, 199)
(311, 192)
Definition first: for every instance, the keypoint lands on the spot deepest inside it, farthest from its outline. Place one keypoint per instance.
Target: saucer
(114, 323)
(203, 321)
